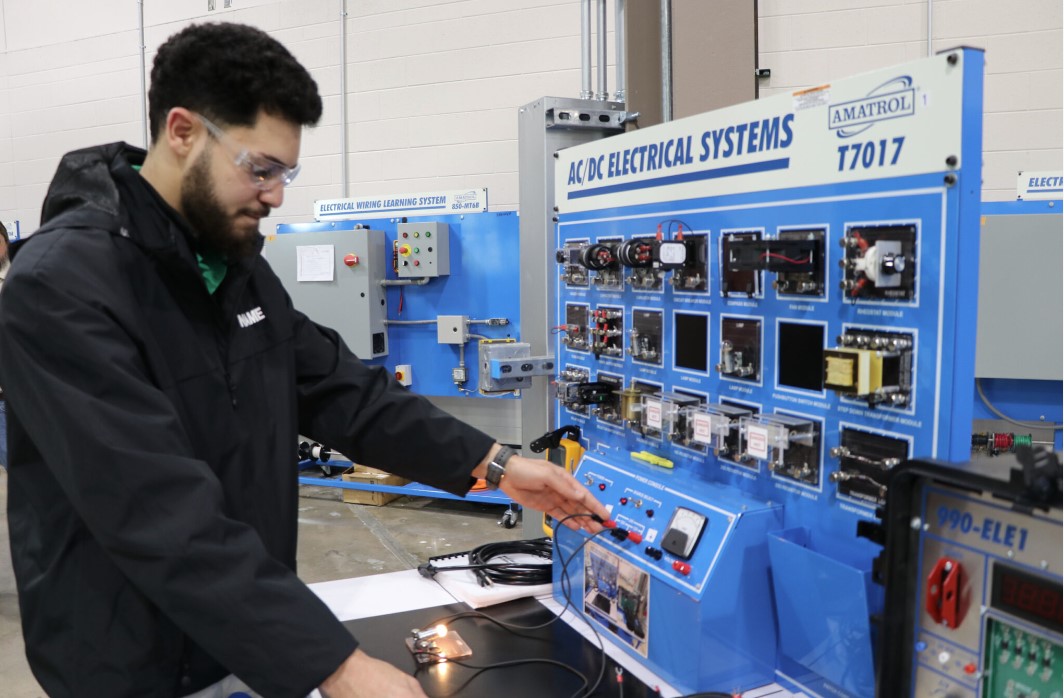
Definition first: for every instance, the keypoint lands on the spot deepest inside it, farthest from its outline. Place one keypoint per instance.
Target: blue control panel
(760, 312)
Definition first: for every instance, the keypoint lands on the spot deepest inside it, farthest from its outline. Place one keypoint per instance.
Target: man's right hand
(362, 676)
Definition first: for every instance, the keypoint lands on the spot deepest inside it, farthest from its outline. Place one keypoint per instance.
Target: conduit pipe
(619, 42)
(666, 60)
(585, 49)
(343, 98)
(603, 92)
(143, 76)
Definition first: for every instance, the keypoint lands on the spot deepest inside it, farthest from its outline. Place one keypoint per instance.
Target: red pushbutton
(602, 486)
(406, 235)
(624, 500)
(969, 668)
(681, 567)
(404, 250)
(350, 259)
(417, 263)
(636, 538)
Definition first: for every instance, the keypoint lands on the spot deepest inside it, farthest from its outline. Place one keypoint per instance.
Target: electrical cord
(512, 573)
(1010, 420)
(586, 689)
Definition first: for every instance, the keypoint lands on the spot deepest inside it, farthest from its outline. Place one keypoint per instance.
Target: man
(152, 493)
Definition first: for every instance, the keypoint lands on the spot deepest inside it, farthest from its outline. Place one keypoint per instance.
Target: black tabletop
(384, 638)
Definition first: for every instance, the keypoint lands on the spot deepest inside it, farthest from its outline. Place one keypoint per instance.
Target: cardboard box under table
(371, 476)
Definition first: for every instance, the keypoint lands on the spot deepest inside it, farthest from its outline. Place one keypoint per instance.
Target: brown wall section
(714, 54)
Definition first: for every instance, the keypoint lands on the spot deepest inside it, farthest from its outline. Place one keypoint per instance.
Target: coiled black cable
(512, 573)
(517, 574)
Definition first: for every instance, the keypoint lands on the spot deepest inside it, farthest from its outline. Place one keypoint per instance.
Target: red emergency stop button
(350, 259)
(681, 567)
(404, 250)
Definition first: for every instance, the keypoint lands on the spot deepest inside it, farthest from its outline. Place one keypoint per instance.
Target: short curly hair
(230, 72)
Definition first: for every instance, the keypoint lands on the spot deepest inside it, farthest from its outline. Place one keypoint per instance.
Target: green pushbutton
(428, 234)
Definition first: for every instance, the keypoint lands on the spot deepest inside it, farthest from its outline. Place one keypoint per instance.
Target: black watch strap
(497, 467)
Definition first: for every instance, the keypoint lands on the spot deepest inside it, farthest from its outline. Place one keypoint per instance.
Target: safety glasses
(263, 172)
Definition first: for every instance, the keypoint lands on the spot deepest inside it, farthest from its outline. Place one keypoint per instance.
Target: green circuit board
(1020, 664)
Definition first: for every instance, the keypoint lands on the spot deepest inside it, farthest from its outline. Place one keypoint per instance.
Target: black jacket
(152, 496)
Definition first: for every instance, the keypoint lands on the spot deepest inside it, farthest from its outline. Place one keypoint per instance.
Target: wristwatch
(497, 467)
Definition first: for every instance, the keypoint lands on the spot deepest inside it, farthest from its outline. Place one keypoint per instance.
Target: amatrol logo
(893, 99)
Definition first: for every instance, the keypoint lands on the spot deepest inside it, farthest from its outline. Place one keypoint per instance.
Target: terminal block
(576, 328)
(661, 416)
(609, 410)
(601, 259)
(740, 349)
(693, 276)
(796, 257)
(789, 445)
(717, 426)
(879, 262)
(645, 337)
(738, 281)
(865, 462)
(607, 332)
(871, 365)
(573, 273)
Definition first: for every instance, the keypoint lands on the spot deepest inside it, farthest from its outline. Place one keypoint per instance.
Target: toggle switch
(944, 593)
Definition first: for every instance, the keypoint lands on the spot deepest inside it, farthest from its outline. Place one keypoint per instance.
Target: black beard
(214, 227)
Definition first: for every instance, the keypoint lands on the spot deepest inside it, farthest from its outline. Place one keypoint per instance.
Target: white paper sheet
(315, 262)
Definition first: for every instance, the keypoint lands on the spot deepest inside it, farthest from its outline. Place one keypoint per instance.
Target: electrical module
(775, 306)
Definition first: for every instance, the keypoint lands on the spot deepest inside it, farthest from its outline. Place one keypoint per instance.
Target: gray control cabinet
(1021, 317)
(353, 302)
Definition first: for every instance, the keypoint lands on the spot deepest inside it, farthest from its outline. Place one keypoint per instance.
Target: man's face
(219, 197)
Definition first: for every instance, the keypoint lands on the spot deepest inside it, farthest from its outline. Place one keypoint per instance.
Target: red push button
(681, 567)
(350, 259)
(404, 250)
(624, 500)
(969, 668)
(602, 486)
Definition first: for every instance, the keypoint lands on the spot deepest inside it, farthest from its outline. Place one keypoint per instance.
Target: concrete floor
(336, 541)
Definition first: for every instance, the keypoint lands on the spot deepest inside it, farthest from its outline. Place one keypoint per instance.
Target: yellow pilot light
(853, 371)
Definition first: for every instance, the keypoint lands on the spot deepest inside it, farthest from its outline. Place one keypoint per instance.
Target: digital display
(1027, 596)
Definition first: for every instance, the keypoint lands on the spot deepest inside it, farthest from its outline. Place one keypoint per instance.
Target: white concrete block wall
(813, 41)
(433, 86)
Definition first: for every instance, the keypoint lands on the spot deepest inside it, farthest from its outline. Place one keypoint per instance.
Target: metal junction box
(423, 250)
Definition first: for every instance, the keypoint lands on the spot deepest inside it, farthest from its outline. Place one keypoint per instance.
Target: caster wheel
(509, 519)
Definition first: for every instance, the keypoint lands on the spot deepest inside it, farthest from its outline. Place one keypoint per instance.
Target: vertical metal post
(666, 60)
(343, 99)
(585, 49)
(143, 77)
(930, 24)
(602, 93)
(619, 39)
